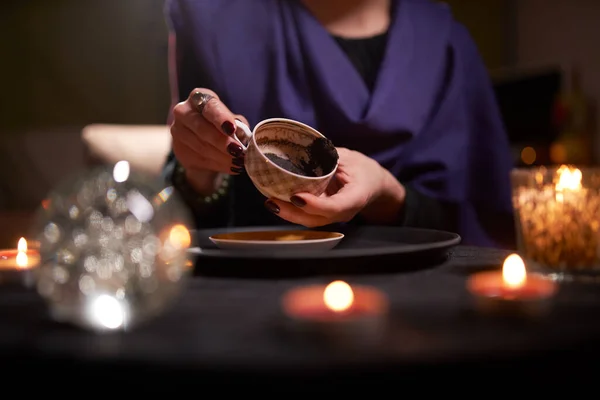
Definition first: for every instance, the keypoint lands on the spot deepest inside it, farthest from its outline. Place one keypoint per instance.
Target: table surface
(234, 326)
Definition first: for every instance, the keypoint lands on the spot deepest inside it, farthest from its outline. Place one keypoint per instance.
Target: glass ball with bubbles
(114, 248)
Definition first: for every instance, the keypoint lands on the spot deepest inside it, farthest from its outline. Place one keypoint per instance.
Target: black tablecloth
(231, 329)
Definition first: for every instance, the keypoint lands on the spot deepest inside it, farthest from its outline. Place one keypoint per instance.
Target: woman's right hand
(203, 140)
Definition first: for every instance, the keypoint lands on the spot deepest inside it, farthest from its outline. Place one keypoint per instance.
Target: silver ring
(200, 100)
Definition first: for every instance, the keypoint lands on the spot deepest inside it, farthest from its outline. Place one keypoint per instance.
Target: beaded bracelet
(194, 200)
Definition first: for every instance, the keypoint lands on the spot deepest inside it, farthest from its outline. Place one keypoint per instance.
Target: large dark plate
(369, 249)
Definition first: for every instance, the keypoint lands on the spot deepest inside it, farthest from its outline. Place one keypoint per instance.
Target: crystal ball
(114, 248)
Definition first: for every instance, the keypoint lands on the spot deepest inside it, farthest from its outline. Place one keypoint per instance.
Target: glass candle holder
(557, 215)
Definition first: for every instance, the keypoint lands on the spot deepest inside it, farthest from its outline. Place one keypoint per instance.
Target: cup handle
(246, 130)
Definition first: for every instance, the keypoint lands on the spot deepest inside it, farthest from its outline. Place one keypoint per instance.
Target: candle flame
(514, 273)
(22, 245)
(568, 178)
(22, 259)
(338, 296)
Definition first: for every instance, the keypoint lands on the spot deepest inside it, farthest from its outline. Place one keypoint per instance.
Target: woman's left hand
(360, 185)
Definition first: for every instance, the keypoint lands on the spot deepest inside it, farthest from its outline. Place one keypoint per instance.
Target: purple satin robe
(431, 118)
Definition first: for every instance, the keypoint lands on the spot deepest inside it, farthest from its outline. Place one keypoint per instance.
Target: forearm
(403, 205)
(423, 211)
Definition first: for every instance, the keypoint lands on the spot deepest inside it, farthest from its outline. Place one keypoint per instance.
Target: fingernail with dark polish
(271, 206)
(239, 161)
(228, 128)
(297, 201)
(236, 170)
(235, 150)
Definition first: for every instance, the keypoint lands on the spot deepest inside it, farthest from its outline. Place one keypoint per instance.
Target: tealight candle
(512, 290)
(18, 264)
(337, 310)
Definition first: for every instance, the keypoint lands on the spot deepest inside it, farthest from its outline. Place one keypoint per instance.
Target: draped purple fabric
(431, 118)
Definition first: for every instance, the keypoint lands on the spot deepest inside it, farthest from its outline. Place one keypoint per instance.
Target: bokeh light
(114, 248)
(528, 155)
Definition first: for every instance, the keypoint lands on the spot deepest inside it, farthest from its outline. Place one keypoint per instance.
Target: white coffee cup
(278, 141)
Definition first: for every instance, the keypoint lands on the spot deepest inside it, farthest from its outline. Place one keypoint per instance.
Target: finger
(206, 158)
(186, 115)
(204, 150)
(214, 111)
(202, 143)
(205, 131)
(339, 207)
(295, 215)
(180, 133)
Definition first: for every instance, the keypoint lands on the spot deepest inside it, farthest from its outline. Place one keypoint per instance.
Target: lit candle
(20, 258)
(337, 310)
(511, 290)
(557, 213)
(17, 264)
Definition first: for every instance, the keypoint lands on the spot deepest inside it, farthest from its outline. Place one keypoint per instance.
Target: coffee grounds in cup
(322, 157)
(322, 153)
(285, 164)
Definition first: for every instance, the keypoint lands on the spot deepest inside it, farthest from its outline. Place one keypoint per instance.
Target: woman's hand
(360, 186)
(203, 142)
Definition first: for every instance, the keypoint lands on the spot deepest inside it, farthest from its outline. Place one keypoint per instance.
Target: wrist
(200, 198)
(393, 190)
(204, 183)
(387, 202)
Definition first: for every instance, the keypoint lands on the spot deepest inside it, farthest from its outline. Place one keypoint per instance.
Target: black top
(366, 55)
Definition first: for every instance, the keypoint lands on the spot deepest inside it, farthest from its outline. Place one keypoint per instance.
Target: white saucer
(284, 240)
